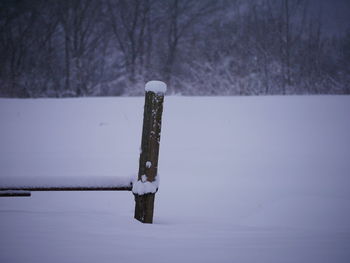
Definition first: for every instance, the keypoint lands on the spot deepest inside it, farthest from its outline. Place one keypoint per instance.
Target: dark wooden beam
(10, 193)
(67, 188)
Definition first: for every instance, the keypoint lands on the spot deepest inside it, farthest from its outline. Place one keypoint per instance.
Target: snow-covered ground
(242, 179)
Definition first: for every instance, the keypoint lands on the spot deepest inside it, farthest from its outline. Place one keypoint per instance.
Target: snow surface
(68, 143)
(156, 86)
(244, 179)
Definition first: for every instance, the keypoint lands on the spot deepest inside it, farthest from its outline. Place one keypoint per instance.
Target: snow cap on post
(156, 86)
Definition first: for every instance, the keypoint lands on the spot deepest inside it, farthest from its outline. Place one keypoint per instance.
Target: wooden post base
(144, 207)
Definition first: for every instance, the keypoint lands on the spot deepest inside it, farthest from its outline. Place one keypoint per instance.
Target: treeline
(60, 48)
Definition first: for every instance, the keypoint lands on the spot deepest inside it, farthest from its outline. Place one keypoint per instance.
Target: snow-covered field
(242, 179)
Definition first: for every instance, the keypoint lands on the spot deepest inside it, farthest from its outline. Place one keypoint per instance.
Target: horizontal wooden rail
(10, 193)
(67, 188)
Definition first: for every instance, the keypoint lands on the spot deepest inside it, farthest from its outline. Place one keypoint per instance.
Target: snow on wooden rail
(65, 183)
(11, 187)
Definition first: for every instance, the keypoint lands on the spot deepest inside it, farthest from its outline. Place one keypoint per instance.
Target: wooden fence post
(147, 182)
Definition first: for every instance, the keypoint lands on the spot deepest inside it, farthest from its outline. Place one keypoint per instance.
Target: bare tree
(208, 47)
(83, 33)
(129, 20)
(182, 14)
(16, 28)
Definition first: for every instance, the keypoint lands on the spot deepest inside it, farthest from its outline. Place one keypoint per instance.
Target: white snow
(143, 186)
(244, 179)
(156, 86)
(61, 142)
(148, 164)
